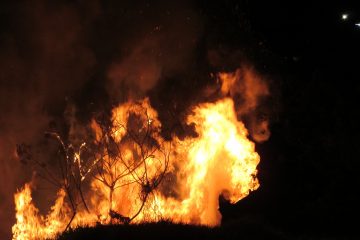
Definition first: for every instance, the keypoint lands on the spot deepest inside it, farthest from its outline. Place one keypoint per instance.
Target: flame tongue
(221, 160)
(30, 224)
(223, 157)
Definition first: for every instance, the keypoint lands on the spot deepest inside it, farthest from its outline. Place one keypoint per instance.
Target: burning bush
(125, 173)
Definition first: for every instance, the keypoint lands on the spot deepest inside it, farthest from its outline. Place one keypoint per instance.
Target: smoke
(43, 59)
(162, 47)
(60, 60)
(249, 90)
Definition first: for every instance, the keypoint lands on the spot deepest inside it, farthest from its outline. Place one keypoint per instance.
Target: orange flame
(30, 224)
(248, 88)
(247, 83)
(220, 160)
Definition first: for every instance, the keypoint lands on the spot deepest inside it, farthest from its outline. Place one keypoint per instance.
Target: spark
(344, 16)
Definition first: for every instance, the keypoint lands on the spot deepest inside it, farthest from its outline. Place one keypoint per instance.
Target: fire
(30, 224)
(249, 89)
(246, 83)
(137, 176)
(221, 160)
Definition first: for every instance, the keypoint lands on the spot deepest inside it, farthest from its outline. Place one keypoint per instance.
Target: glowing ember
(134, 170)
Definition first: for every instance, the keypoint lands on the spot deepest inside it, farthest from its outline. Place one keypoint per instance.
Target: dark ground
(309, 167)
(166, 230)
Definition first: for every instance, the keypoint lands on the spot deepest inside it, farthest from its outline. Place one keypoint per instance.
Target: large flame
(220, 160)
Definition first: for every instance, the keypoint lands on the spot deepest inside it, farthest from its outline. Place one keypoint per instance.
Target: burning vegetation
(121, 113)
(126, 172)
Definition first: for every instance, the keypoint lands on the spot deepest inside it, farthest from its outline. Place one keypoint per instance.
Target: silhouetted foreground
(167, 230)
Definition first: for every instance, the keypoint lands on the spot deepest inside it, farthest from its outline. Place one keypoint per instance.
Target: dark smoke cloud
(159, 45)
(43, 59)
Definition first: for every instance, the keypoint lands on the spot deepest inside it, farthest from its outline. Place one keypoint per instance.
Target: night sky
(57, 53)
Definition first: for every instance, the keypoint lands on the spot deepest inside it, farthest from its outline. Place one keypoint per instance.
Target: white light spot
(344, 16)
(357, 24)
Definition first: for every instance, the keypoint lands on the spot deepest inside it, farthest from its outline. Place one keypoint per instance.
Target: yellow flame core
(30, 224)
(220, 160)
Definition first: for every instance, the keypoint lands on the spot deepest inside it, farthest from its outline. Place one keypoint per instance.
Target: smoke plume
(61, 63)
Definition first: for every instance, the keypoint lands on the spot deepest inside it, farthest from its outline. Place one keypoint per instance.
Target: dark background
(309, 166)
